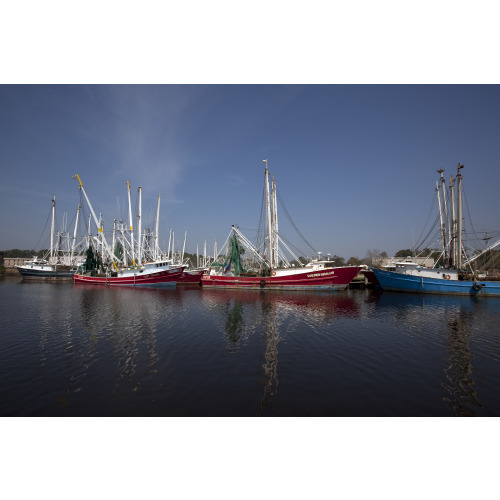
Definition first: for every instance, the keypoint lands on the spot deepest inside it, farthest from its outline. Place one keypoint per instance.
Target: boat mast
(131, 225)
(114, 236)
(123, 243)
(74, 234)
(268, 216)
(446, 226)
(442, 225)
(99, 226)
(139, 241)
(157, 241)
(453, 234)
(275, 262)
(459, 216)
(184, 246)
(173, 244)
(52, 228)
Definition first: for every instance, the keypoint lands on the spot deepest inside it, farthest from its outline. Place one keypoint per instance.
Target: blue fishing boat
(445, 281)
(455, 272)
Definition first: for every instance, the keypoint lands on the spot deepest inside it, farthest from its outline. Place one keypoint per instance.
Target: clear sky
(355, 164)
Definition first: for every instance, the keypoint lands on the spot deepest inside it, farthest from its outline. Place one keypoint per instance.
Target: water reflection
(126, 320)
(71, 350)
(318, 306)
(249, 310)
(459, 381)
(456, 316)
(269, 380)
(234, 324)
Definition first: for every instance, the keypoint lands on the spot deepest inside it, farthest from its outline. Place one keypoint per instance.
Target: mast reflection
(459, 380)
(244, 316)
(269, 380)
(455, 316)
(127, 325)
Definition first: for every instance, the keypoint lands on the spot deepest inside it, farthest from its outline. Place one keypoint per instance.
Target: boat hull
(337, 278)
(371, 278)
(190, 278)
(28, 273)
(398, 282)
(166, 278)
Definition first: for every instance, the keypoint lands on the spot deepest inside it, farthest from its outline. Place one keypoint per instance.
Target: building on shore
(12, 262)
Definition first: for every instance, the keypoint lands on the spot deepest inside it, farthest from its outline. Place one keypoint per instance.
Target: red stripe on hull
(331, 278)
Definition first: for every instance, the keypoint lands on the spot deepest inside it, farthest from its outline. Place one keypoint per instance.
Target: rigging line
(298, 250)
(472, 227)
(221, 252)
(43, 230)
(431, 209)
(261, 229)
(282, 205)
(432, 229)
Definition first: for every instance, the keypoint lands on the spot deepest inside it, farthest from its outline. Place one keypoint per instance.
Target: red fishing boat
(270, 268)
(128, 262)
(154, 274)
(316, 275)
(191, 277)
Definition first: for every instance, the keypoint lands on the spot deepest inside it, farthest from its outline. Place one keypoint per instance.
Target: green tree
(354, 261)
(339, 261)
(374, 257)
(404, 253)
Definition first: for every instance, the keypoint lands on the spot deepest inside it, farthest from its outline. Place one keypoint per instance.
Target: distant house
(12, 262)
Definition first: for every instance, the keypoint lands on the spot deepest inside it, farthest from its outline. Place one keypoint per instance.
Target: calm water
(79, 350)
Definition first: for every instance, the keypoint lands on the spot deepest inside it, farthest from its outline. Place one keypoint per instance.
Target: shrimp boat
(268, 267)
(60, 264)
(103, 267)
(458, 273)
(153, 274)
(42, 269)
(191, 277)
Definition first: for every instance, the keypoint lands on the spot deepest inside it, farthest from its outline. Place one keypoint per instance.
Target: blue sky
(355, 164)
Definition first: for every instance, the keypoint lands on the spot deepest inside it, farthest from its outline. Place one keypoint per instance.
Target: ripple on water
(74, 350)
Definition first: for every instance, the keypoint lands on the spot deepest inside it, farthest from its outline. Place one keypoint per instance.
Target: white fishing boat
(62, 260)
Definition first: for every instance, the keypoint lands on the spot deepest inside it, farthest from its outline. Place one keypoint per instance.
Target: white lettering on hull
(321, 275)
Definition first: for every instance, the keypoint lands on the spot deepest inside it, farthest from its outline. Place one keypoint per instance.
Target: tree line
(24, 254)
